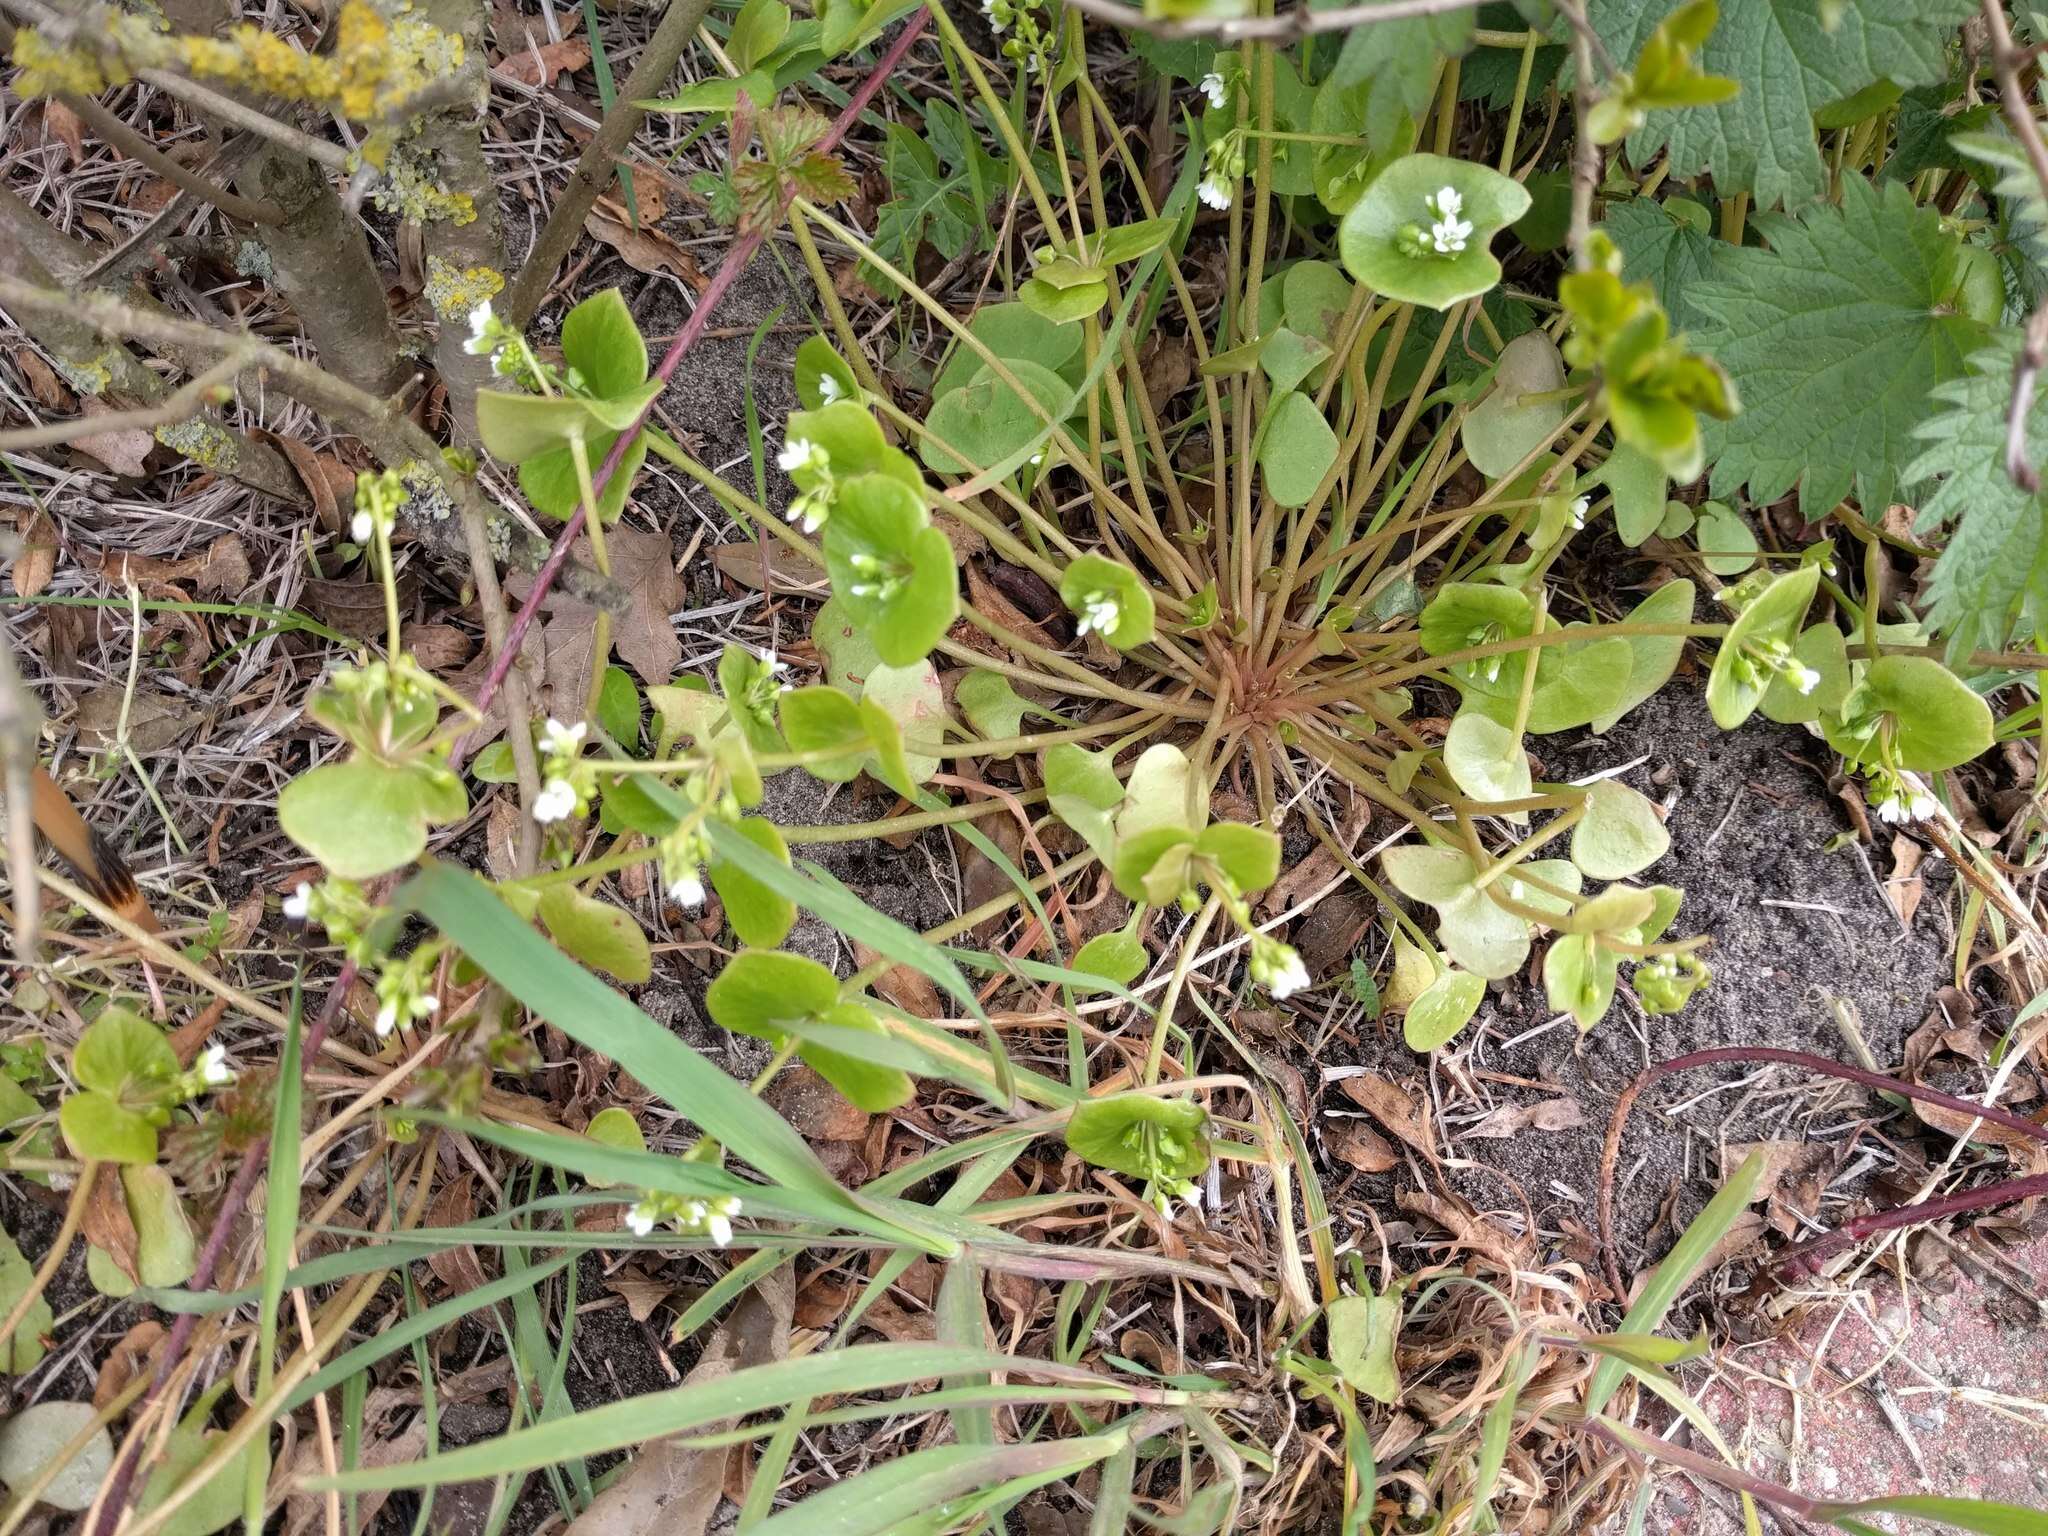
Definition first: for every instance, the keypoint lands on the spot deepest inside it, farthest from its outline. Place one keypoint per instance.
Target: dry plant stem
(2007, 59)
(114, 1503)
(19, 717)
(181, 403)
(1611, 1153)
(1287, 27)
(490, 602)
(595, 169)
(117, 135)
(737, 255)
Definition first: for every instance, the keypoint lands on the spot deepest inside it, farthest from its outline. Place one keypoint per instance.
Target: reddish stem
(232, 1204)
(1904, 1215)
(737, 256)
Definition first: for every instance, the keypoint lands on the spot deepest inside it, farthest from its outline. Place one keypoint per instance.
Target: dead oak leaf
(645, 564)
(648, 248)
(542, 64)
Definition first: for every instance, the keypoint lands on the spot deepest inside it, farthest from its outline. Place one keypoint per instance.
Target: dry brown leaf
(37, 562)
(438, 647)
(63, 125)
(152, 194)
(107, 1224)
(817, 1109)
(541, 65)
(222, 567)
(355, 606)
(189, 1038)
(1513, 1119)
(43, 382)
(642, 1292)
(130, 1354)
(457, 1268)
(1795, 1175)
(768, 567)
(121, 449)
(2028, 1154)
(329, 482)
(304, 1512)
(990, 600)
(1904, 887)
(155, 720)
(1472, 1231)
(1360, 1146)
(645, 564)
(1393, 1107)
(501, 836)
(912, 991)
(646, 249)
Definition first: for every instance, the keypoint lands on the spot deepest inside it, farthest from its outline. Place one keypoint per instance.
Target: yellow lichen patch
(204, 442)
(56, 69)
(412, 188)
(456, 291)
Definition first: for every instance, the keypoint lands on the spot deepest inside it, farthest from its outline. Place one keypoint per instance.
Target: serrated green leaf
(1663, 250)
(1833, 337)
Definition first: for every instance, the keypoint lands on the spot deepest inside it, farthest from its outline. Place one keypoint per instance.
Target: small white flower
(640, 1219)
(1037, 458)
(1215, 192)
(214, 1070)
(800, 453)
(775, 668)
(1217, 92)
(1580, 505)
(362, 526)
(425, 1006)
(1099, 612)
(563, 740)
(809, 508)
(1449, 235)
(479, 330)
(686, 891)
(1289, 977)
(719, 1222)
(995, 23)
(299, 905)
(1923, 807)
(1802, 678)
(1448, 203)
(555, 802)
(386, 1021)
(830, 391)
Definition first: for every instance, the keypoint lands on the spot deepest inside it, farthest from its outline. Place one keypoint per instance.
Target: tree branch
(182, 402)
(117, 135)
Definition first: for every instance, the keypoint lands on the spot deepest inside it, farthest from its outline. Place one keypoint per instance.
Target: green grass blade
(622, 1425)
(962, 1320)
(280, 1223)
(1675, 1273)
(593, 1015)
(1979, 1515)
(899, 1494)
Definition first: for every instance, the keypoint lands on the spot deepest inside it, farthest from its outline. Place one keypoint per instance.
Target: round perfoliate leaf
(1109, 598)
(364, 817)
(1407, 242)
(1521, 414)
(601, 341)
(1738, 681)
(1620, 834)
(121, 1053)
(1579, 977)
(1143, 1136)
(32, 1439)
(1249, 856)
(823, 377)
(1822, 651)
(1927, 714)
(763, 992)
(1118, 958)
(1445, 1007)
(891, 569)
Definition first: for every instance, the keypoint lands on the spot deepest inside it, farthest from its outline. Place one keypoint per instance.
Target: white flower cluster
(1217, 89)
(683, 854)
(1099, 613)
(810, 466)
(559, 797)
(1276, 967)
(404, 994)
(711, 1217)
(1447, 232)
(1222, 166)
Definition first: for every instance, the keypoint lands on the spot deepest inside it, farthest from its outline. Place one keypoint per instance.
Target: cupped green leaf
(1445, 1007)
(1118, 958)
(987, 421)
(1109, 598)
(364, 817)
(891, 569)
(1386, 239)
(914, 702)
(1822, 650)
(1082, 789)
(1929, 716)
(823, 377)
(874, 1086)
(1364, 1331)
(99, 1129)
(602, 342)
(121, 1053)
(762, 917)
(1620, 834)
(1142, 1135)
(1248, 855)
(1579, 977)
(596, 933)
(1737, 683)
(548, 480)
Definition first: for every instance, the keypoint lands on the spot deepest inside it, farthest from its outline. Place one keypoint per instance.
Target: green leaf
(1445, 1007)
(870, 1085)
(122, 1053)
(762, 917)
(943, 181)
(1983, 1516)
(1398, 61)
(1775, 615)
(516, 427)
(1127, 242)
(849, 656)
(1660, 247)
(95, 1127)
(987, 420)
(1727, 545)
(1576, 683)
(596, 933)
(548, 480)
(1158, 794)
(218, 1503)
(1823, 649)
(1142, 1135)
(992, 706)
(1638, 483)
(1992, 577)
(1620, 834)
(166, 1251)
(1093, 586)
(601, 341)
(489, 933)
(23, 1350)
(1249, 855)
(1486, 760)
(819, 719)
(715, 95)
(1501, 430)
(761, 991)
(616, 1127)
(817, 362)
(1296, 449)
(1833, 337)
(1082, 789)
(913, 701)
(363, 817)
(1479, 934)
(31, 1440)
(1363, 1333)
(1012, 331)
(1063, 304)
(1791, 58)
(1931, 718)
(1579, 977)
(618, 708)
(905, 605)
(757, 32)
(1652, 658)
(1118, 958)
(1373, 237)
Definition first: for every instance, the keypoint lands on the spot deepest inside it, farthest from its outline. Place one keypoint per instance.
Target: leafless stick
(116, 134)
(1586, 156)
(176, 406)
(2006, 59)
(1287, 27)
(18, 719)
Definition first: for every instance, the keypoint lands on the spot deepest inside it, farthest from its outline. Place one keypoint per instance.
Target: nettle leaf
(1445, 1007)
(891, 569)
(913, 702)
(1082, 789)
(1652, 658)
(1991, 580)
(943, 181)
(596, 933)
(762, 917)
(1110, 598)
(1833, 337)
(1296, 449)
(365, 817)
(1620, 834)
(987, 420)
(1791, 58)
(1660, 247)
(1501, 431)
(1486, 760)
(823, 377)
(1930, 717)
(1380, 237)
(1823, 649)
(601, 341)
(1143, 1136)
(1734, 691)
